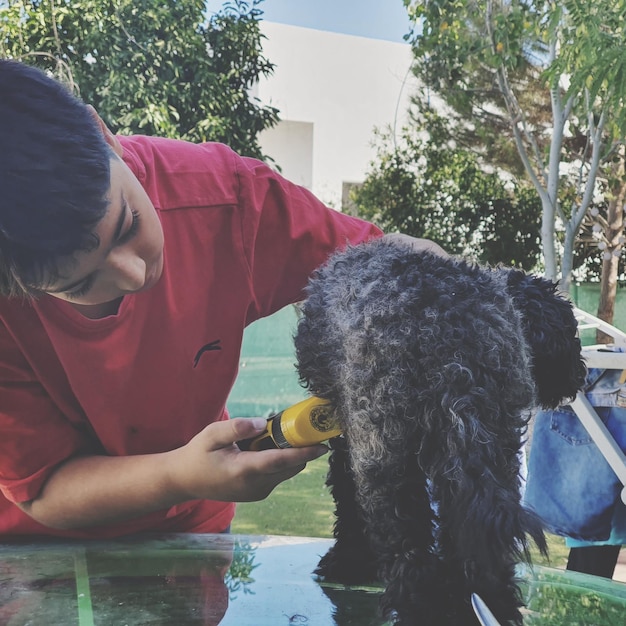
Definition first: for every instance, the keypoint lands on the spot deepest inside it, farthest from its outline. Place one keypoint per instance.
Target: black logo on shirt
(214, 345)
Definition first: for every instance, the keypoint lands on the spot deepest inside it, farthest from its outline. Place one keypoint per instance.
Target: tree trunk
(567, 259)
(548, 239)
(610, 262)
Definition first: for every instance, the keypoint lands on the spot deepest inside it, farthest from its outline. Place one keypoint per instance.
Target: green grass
(557, 553)
(303, 507)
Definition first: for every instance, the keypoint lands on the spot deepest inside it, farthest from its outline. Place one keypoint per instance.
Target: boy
(129, 268)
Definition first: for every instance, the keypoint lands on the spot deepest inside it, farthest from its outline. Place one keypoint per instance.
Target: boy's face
(130, 255)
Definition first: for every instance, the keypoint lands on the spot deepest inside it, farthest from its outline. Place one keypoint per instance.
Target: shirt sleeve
(287, 234)
(35, 436)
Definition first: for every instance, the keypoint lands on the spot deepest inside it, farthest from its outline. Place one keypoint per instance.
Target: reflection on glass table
(234, 580)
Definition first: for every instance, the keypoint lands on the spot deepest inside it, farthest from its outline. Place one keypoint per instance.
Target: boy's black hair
(54, 177)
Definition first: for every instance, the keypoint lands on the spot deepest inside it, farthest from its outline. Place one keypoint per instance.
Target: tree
(427, 187)
(596, 62)
(151, 66)
(486, 56)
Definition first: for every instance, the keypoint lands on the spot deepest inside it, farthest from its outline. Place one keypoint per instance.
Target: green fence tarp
(268, 380)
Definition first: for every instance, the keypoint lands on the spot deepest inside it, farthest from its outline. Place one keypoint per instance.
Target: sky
(376, 19)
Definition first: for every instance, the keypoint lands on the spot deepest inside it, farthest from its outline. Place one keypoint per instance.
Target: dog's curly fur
(433, 366)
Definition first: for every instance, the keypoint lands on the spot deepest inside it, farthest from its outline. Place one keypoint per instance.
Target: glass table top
(234, 580)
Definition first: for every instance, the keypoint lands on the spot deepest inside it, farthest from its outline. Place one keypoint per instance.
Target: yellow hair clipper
(303, 424)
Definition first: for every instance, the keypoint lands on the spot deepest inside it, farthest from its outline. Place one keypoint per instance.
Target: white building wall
(332, 90)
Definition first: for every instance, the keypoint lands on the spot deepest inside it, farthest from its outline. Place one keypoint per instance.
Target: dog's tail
(485, 532)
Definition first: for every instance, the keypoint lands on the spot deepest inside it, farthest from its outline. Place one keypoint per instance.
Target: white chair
(581, 406)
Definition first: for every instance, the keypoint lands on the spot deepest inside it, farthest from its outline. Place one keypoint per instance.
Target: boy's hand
(415, 244)
(211, 466)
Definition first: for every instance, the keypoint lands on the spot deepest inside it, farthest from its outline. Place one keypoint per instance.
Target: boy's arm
(96, 490)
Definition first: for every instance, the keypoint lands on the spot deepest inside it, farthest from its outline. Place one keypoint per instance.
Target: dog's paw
(347, 567)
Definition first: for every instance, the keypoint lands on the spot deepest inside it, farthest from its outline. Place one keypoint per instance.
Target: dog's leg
(350, 560)
(395, 498)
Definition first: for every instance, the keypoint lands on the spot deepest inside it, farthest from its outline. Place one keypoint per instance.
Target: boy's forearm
(96, 490)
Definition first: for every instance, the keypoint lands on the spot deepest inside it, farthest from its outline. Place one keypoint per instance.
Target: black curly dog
(433, 366)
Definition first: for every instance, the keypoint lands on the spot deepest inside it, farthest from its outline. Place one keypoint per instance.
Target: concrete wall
(332, 90)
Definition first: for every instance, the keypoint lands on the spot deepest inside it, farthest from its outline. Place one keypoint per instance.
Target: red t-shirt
(240, 243)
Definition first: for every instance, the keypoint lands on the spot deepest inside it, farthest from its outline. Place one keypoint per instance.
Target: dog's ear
(550, 329)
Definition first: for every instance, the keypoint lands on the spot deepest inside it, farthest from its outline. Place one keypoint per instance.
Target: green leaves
(424, 186)
(592, 54)
(149, 66)
(547, 77)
